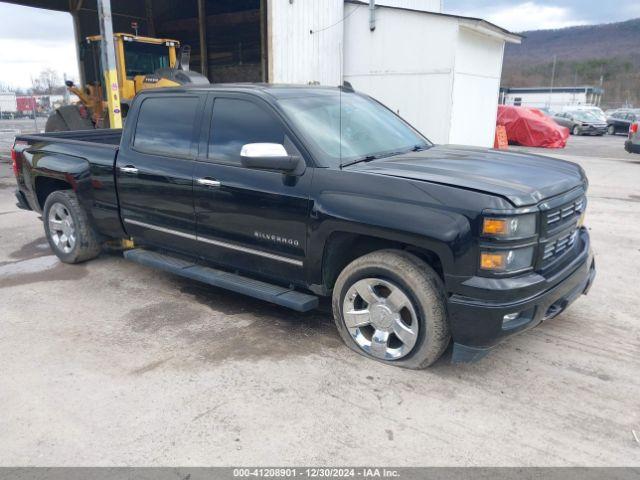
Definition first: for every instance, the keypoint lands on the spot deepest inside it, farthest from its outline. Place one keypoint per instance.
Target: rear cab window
(165, 125)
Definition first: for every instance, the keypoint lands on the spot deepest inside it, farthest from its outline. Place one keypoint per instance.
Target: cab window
(236, 122)
(165, 126)
(144, 58)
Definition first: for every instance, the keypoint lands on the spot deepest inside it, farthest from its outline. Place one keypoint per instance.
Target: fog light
(510, 317)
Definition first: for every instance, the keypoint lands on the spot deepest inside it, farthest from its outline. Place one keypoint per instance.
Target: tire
(55, 123)
(576, 130)
(423, 312)
(60, 206)
(611, 130)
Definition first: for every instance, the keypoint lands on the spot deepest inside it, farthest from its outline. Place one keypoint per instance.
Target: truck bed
(107, 137)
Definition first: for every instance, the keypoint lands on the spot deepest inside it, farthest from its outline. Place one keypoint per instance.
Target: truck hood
(523, 179)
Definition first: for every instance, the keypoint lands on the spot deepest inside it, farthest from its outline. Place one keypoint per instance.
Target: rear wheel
(576, 130)
(67, 228)
(390, 306)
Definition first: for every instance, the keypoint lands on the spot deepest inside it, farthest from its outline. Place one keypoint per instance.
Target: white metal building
(8, 104)
(554, 98)
(440, 72)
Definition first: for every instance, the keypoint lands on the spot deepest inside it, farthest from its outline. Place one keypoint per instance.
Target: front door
(249, 219)
(154, 172)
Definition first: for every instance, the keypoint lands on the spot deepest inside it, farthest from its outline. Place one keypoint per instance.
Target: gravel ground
(110, 363)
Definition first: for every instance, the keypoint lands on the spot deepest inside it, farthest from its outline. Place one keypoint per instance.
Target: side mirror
(270, 156)
(185, 58)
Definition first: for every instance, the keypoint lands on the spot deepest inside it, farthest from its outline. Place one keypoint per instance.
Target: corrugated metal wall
(441, 77)
(407, 63)
(475, 89)
(305, 41)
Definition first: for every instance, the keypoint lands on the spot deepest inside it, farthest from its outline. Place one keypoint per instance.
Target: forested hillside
(585, 56)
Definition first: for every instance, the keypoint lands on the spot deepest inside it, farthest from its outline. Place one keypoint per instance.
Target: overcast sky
(33, 39)
(519, 16)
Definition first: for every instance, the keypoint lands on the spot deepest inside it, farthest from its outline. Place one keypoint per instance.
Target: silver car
(581, 122)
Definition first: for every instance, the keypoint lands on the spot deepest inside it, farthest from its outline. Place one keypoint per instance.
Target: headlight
(505, 261)
(517, 226)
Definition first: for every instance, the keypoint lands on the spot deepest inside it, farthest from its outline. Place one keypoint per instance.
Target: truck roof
(274, 90)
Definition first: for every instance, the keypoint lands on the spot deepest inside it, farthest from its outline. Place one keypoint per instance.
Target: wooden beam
(213, 21)
(151, 27)
(73, 7)
(202, 30)
(263, 40)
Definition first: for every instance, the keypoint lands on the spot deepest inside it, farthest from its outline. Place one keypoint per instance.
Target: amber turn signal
(494, 226)
(492, 261)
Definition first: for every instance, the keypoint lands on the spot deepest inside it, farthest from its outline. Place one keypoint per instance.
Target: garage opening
(226, 36)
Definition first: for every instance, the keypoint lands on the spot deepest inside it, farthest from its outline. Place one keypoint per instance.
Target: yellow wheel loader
(142, 63)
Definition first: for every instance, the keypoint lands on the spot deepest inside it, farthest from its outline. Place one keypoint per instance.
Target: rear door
(619, 121)
(561, 119)
(154, 170)
(249, 219)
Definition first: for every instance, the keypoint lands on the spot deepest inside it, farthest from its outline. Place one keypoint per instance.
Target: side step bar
(286, 297)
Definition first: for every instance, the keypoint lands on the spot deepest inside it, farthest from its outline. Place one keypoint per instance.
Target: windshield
(598, 114)
(585, 116)
(145, 58)
(343, 127)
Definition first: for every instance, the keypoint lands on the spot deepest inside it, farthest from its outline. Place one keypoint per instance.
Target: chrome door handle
(129, 169)
(208, 182)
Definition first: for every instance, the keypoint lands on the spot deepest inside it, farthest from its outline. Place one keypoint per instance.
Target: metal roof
(471, 22)
(575, 89)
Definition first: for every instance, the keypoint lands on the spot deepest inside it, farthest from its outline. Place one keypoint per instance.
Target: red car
(531, 128)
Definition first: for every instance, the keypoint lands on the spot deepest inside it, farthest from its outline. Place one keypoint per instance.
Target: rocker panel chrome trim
(218, 243)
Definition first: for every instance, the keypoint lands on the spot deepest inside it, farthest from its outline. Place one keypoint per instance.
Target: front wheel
(611, 130)
(576, 130)
(67, 228)
(390, 306)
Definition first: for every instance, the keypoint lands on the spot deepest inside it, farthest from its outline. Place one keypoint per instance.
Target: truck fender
(445, 233)
(75, 171)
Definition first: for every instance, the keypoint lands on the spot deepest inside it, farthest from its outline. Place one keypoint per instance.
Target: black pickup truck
(292, 193)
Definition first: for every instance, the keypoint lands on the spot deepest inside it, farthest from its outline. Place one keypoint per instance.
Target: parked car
(597, 111)
(547, 111)
(581, 122)
(632, 144)
(288, 194)
(620, 121)
(611, 111)
(530, 127)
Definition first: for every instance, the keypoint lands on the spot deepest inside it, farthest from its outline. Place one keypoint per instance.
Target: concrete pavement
(110, 363)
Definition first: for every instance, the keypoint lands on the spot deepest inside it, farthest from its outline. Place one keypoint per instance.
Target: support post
(151, 26)
(202, 28)
(263, 40)
(74, 9)
(111, 87)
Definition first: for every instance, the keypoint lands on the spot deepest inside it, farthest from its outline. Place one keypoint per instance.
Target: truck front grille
(565, 212)
(556, 248)
(559, 232)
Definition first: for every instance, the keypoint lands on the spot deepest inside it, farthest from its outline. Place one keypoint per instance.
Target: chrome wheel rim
(380, 318)
(61, 228)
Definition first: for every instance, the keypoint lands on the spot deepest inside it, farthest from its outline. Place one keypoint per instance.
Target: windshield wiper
(368, 158)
